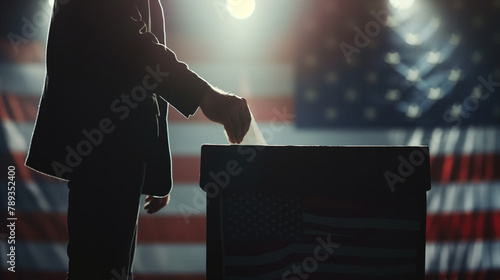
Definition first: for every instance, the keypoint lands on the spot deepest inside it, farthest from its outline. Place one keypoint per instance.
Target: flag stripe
(190, 227)
(52, 227)
(51, 275)
(186, 168)
(279, 133)
(169, 258)
(456, 227)
(151, 258)
(259, 79)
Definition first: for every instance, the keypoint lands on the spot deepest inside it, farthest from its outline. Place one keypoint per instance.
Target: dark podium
(315, 212)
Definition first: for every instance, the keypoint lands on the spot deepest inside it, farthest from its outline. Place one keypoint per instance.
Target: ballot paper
(254, 135)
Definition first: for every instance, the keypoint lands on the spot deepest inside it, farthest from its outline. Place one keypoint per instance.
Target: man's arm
(229, 110)
(186, 91)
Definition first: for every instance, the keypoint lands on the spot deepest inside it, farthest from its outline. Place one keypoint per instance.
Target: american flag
(322, 72)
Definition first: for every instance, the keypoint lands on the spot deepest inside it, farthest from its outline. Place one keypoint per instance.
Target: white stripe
(186, 199)
(40, 198)
(16, 135)
(170, 258)
(468, 256)
(24, 79)
(463, 197)
(150, 258)
(186, 138)
(276, 133)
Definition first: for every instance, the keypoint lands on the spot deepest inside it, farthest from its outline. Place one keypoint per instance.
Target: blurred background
(321, 72)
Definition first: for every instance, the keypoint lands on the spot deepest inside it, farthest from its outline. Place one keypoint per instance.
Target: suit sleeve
(143, 58)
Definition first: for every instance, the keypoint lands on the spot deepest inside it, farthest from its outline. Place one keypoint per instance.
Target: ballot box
(315, 212)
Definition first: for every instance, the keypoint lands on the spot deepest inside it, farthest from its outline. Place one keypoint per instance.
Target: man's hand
(229, 110)
(154, 204)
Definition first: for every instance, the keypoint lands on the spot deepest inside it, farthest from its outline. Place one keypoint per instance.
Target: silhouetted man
(102, 126)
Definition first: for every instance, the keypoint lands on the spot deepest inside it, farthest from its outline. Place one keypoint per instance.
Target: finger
(148, 198)
(237, 128)
(151, 208)
(230, 131)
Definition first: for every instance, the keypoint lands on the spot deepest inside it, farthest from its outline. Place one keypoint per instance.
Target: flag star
(477, 57)
(413, 39)
(455, 39)
(455, 75)
(413, 111)
(371, 77)
(392, 95)
(434, 57)
(351, 95)
(413, 75)
(477, 92)
(391, 22)
(434, 93)
(310, 95)
(331, 77)
(331, 113)
(370, 113)
(392, 58)
(456, 110)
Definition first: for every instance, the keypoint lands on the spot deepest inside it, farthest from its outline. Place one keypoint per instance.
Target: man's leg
(103, 207)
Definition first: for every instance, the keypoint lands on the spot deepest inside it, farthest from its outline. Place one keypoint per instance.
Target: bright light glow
(51, 3)
(401, 4)
(240, 9)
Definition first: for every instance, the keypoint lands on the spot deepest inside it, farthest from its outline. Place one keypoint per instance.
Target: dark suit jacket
(107, 86)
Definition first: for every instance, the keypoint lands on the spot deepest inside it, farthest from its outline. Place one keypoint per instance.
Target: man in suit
(101, 123)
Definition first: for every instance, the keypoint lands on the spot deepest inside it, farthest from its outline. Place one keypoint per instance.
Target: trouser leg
(102, 220)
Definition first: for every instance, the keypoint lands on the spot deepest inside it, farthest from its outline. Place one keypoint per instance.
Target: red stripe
(16, 108)
(4, 115)
(466, 275)
(186, 169)
(34, 226)
(61, 275)
(456, 168)
(464, 168)
(447, 227)
(463, 226)
(50, 275)
(30, 52)
(172, 229)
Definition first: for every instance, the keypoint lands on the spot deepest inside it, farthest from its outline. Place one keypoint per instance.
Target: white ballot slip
(254, 135)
